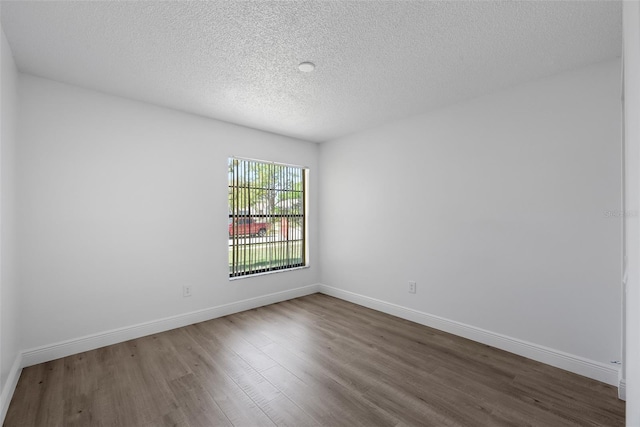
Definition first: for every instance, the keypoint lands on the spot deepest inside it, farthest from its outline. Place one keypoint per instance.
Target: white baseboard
(90, 342)
(10, 387)
(572, 363)
(588, 368)
(622, 389)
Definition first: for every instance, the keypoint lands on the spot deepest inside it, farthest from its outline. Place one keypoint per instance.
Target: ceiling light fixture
(306, 67)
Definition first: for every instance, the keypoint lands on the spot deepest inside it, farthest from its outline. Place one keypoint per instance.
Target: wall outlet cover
(412, 287)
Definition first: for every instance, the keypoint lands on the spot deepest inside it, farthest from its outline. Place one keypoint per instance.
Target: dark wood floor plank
(279, 408)
(81, 376)
(311, 361)
(283, 412)
(327, 402)
(251, 333)
(406, 341)
(403, 373)
(232, 400)
(248, 379)
(141, 383)
(39, 389)
(477, 362)
(504, 405)
(197, 406)
(394, 401)
(235, 340)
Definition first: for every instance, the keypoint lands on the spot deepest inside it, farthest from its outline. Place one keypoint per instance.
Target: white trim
(572, 363)
(268, 162)
(10, 387)
(622, 389)
(576, 364)
(265, 273)
(90, 342)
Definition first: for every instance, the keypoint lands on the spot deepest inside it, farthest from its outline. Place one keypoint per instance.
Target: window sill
(284, 270)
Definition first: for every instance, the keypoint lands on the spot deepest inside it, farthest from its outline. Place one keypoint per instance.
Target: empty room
(320, 213)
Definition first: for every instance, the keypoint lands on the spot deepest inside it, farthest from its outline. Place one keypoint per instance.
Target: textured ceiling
(375, 61)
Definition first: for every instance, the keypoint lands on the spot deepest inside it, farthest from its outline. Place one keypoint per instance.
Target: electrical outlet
(412, 287)
(186, 291)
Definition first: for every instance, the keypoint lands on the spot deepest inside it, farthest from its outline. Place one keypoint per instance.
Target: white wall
(505, 210)
(122, 203)
(631, 22)
(9, 337)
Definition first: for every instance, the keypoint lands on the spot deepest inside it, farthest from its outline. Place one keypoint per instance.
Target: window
(267, 220)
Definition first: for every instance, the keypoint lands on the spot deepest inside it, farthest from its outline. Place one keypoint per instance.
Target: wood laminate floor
(310, 361)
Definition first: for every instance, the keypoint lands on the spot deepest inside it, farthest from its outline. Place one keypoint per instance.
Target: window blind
(267, 221)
